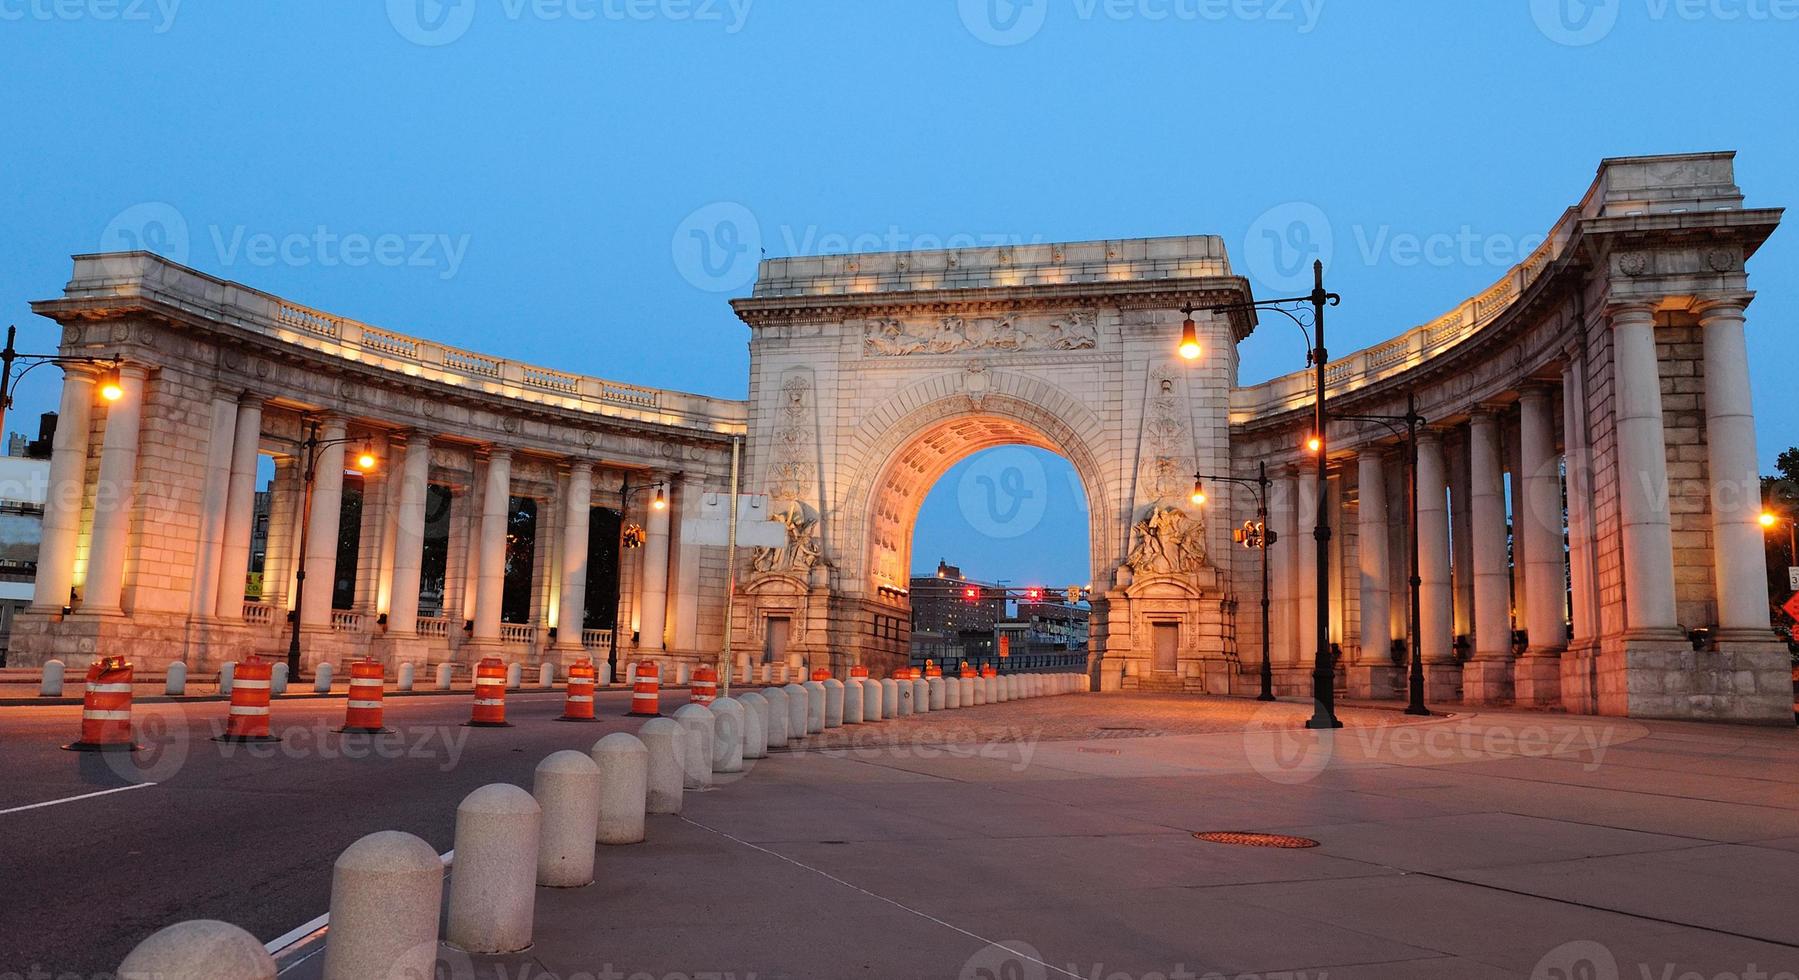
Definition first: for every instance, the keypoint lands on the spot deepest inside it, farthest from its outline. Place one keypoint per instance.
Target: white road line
(71, 799)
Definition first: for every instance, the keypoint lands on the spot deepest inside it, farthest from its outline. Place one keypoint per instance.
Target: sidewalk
(1038, 844)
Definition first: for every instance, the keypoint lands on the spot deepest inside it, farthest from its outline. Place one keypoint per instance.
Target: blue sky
(521, 177)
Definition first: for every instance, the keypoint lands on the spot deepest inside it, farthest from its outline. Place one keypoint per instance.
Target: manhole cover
(1246, 839)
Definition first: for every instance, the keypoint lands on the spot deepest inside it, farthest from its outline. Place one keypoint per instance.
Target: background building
(24, 480)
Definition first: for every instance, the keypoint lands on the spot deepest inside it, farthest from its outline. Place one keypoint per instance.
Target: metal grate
(1241, 838)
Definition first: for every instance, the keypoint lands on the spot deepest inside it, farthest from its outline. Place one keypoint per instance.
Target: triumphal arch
(1586, 479)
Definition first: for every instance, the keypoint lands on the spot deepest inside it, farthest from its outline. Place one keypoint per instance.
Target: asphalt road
(242, 833)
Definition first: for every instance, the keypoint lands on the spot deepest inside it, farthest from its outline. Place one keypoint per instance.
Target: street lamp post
(625, 492)
(1412, 420)
(1324, 695)
(365, 462)
(1259, 537)
(109, 387)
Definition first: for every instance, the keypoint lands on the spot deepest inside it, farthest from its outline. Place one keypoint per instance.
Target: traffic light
(1033, 595)
(972, 594)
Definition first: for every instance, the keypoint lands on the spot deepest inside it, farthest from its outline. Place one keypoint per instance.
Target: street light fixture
(1324, 695)
(1770, 520)
(1412, 420)
(1190, 348)
(111, 390)
(365, 462)
(1254, 535)
(660, 502)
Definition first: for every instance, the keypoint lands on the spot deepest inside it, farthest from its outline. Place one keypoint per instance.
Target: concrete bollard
(833, 703)
(493, 883)
(799, 706)
(546, 676)
(515, 676)
(815, 707)
(386, 892)
(277, 679)
(624, 766)
(321, 679)
(780, 675)
(203, 949)
(921, 696)
(872, 696)
(698, 727)
(50, 684)
(446, 674)
(663, 739)
(566, 787)
(727, 735)
(973, 694)
(174, 684)
(755, 725)
(934, 693)
(952, 693)
(630, 673)
(890, 698)
(777, 717)
(407, 678)
(228, 674)
(852, 701)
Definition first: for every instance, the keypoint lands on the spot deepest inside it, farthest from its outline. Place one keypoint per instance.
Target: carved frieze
(900, 336)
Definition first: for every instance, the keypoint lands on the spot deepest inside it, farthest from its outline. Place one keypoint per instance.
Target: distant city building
(23, 485)
(941, 603)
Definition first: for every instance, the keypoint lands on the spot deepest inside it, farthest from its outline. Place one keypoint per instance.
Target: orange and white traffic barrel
(932, 670)
(490, 695)
(250, 689)
(582, 678)
(859, 672)
(989, 671)
(106, 708)
(968, 671)
(646, 694)
(705, 686)
(821, 674)
(368, 683)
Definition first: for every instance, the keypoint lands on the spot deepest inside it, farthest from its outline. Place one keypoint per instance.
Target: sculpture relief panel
(894, 336)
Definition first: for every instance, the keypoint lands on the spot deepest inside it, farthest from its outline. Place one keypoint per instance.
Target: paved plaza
(1055, 838)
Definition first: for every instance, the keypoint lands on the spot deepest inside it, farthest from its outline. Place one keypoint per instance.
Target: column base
(1487, 682)
(1747, 682)
(1379, 682)
(1537, 679)
(1443, 683)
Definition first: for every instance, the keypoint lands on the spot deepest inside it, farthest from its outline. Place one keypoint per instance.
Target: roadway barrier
(952, 693)
(489, 709)
(891, 698)
(515, 676)
(578, 705)
(200, 948)
(277, 679)
(49, 684)
(815, 707)
(705, 686)
(386, 894)
(646, 690)
(624, 764)
(321, 679)
(934, 691)
(248, 717)
(697, 727)
(407, 678)
(833, 702)
(227, 674)
(777, 717)
(974, 691)
(446, 675)
(546, 676)
(364, 710)
(663, 740)
(858, 673)
(493, 893)
(106, 708)
(727, 735)
(174, 681)
(755, 725)
(566, 786)
(873, 694)
(821, 674)
(799, 707)
(852, 701)
(921, 695)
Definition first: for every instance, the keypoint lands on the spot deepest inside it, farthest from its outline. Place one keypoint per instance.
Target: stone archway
(872, 375)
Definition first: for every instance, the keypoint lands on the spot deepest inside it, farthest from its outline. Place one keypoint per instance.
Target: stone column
(1538, 516)
(1305, 571)
(322, 525)
(572, 609)
(113, 496)
(392, 473)
(1283, 511)
(1487, 678)
(1737, 547)
(653, 589)
(240, 511)
(67, 487)
(1442, 675)
(684, 599)
(208, 553)
(409, 536)
(1461, 555)
(1646, 528)
(490, 583)
(1372, 675)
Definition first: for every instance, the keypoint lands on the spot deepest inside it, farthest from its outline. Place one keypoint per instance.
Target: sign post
(1793, 577)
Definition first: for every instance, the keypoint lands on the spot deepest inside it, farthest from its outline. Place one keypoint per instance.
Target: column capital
(1632, 313)
(1712, 308)
(1487, 413)
(495, 454)
(575, 464)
